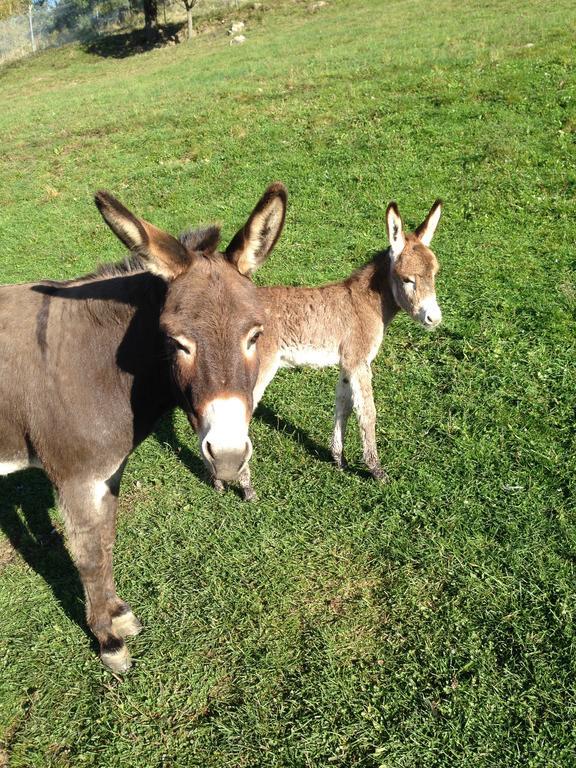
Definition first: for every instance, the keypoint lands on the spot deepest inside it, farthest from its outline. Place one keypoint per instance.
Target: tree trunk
(190, 22)
(150, 15)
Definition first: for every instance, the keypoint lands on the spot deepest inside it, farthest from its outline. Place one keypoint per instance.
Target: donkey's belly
(309, 356)
(15, 452)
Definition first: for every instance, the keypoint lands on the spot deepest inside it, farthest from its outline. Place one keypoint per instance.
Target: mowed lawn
(336, 621)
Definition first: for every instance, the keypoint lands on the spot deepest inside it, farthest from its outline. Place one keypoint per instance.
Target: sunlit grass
(429, 622)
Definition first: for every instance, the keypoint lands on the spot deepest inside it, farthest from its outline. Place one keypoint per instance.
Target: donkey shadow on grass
(26, 499)
(273, 419)
(165, 434)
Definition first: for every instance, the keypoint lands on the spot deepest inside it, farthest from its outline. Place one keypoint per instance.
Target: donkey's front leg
(342, 411)
(90, 513)
(363, 400)
(124, 622)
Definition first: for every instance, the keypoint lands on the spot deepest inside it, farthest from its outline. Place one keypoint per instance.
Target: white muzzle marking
(224, 440)
(429, 313)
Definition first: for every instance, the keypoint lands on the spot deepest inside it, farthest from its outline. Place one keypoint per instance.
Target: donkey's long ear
(164, 255)
(426, 230)
(251, 245)
(395, 231)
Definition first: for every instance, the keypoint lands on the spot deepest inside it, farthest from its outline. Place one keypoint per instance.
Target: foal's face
(211, 319)
(414, 267)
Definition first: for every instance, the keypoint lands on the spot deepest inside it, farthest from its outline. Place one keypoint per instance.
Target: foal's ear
(395, 232)
(251, 245)
(426, 230)
(164, 255)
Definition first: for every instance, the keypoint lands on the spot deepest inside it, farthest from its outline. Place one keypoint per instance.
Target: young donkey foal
(88, 366)
(343, 324)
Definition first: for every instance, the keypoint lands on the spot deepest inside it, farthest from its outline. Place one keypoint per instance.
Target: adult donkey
(344, 323)
(88, 366)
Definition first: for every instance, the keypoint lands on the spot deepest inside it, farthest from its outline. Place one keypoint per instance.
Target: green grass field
(335, 622)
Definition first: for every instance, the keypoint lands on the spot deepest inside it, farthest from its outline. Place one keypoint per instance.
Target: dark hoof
(341, 463)
(249, 494)
(380, 474)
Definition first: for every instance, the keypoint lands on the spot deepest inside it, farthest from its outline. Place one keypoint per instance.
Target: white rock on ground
(238, 40)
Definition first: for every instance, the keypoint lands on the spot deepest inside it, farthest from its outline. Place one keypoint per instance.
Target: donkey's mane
(203, 239)
(128, 265)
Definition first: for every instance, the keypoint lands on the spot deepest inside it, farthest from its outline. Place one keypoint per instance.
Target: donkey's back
(19, 354)
(65, 380)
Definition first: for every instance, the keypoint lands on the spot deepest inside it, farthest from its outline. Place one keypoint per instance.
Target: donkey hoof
(341, 463)
(126, 625)
(218, 485)
(379, 474)
(118, 661)
(249, 494)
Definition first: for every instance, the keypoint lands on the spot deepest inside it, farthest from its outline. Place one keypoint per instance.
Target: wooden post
(189, 7)
(31, 29)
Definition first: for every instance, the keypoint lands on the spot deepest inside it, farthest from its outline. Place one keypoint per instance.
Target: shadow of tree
(124, 44)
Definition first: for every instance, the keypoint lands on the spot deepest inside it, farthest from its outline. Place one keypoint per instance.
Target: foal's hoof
(218, 485)
(340, 462)
(118, 661)
(379, 474)
(126, 625)
(249, 494)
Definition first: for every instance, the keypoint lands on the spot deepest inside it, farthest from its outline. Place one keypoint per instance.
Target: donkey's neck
(371, 285)
(119, 315)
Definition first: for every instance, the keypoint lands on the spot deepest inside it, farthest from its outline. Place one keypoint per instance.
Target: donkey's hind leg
(342, 411)
(90, 513)
(363, 400)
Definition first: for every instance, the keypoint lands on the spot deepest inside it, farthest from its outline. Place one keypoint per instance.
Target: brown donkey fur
(88, 366)
(343, 324)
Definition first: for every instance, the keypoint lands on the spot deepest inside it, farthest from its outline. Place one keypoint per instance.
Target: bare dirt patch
(7, 554)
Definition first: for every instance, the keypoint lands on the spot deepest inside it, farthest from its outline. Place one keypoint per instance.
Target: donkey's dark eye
(408, 280)
(179, 346)
(254, 338)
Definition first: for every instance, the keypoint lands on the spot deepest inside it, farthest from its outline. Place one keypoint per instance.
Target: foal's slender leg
(218, 485)
(342, 411)
(245, 480)
(90, 514)
(363, 400)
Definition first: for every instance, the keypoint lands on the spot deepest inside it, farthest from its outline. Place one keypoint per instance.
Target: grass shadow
(32, 534)
(165, 432)
(270, 417)
(320, 452)
(123, 44)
